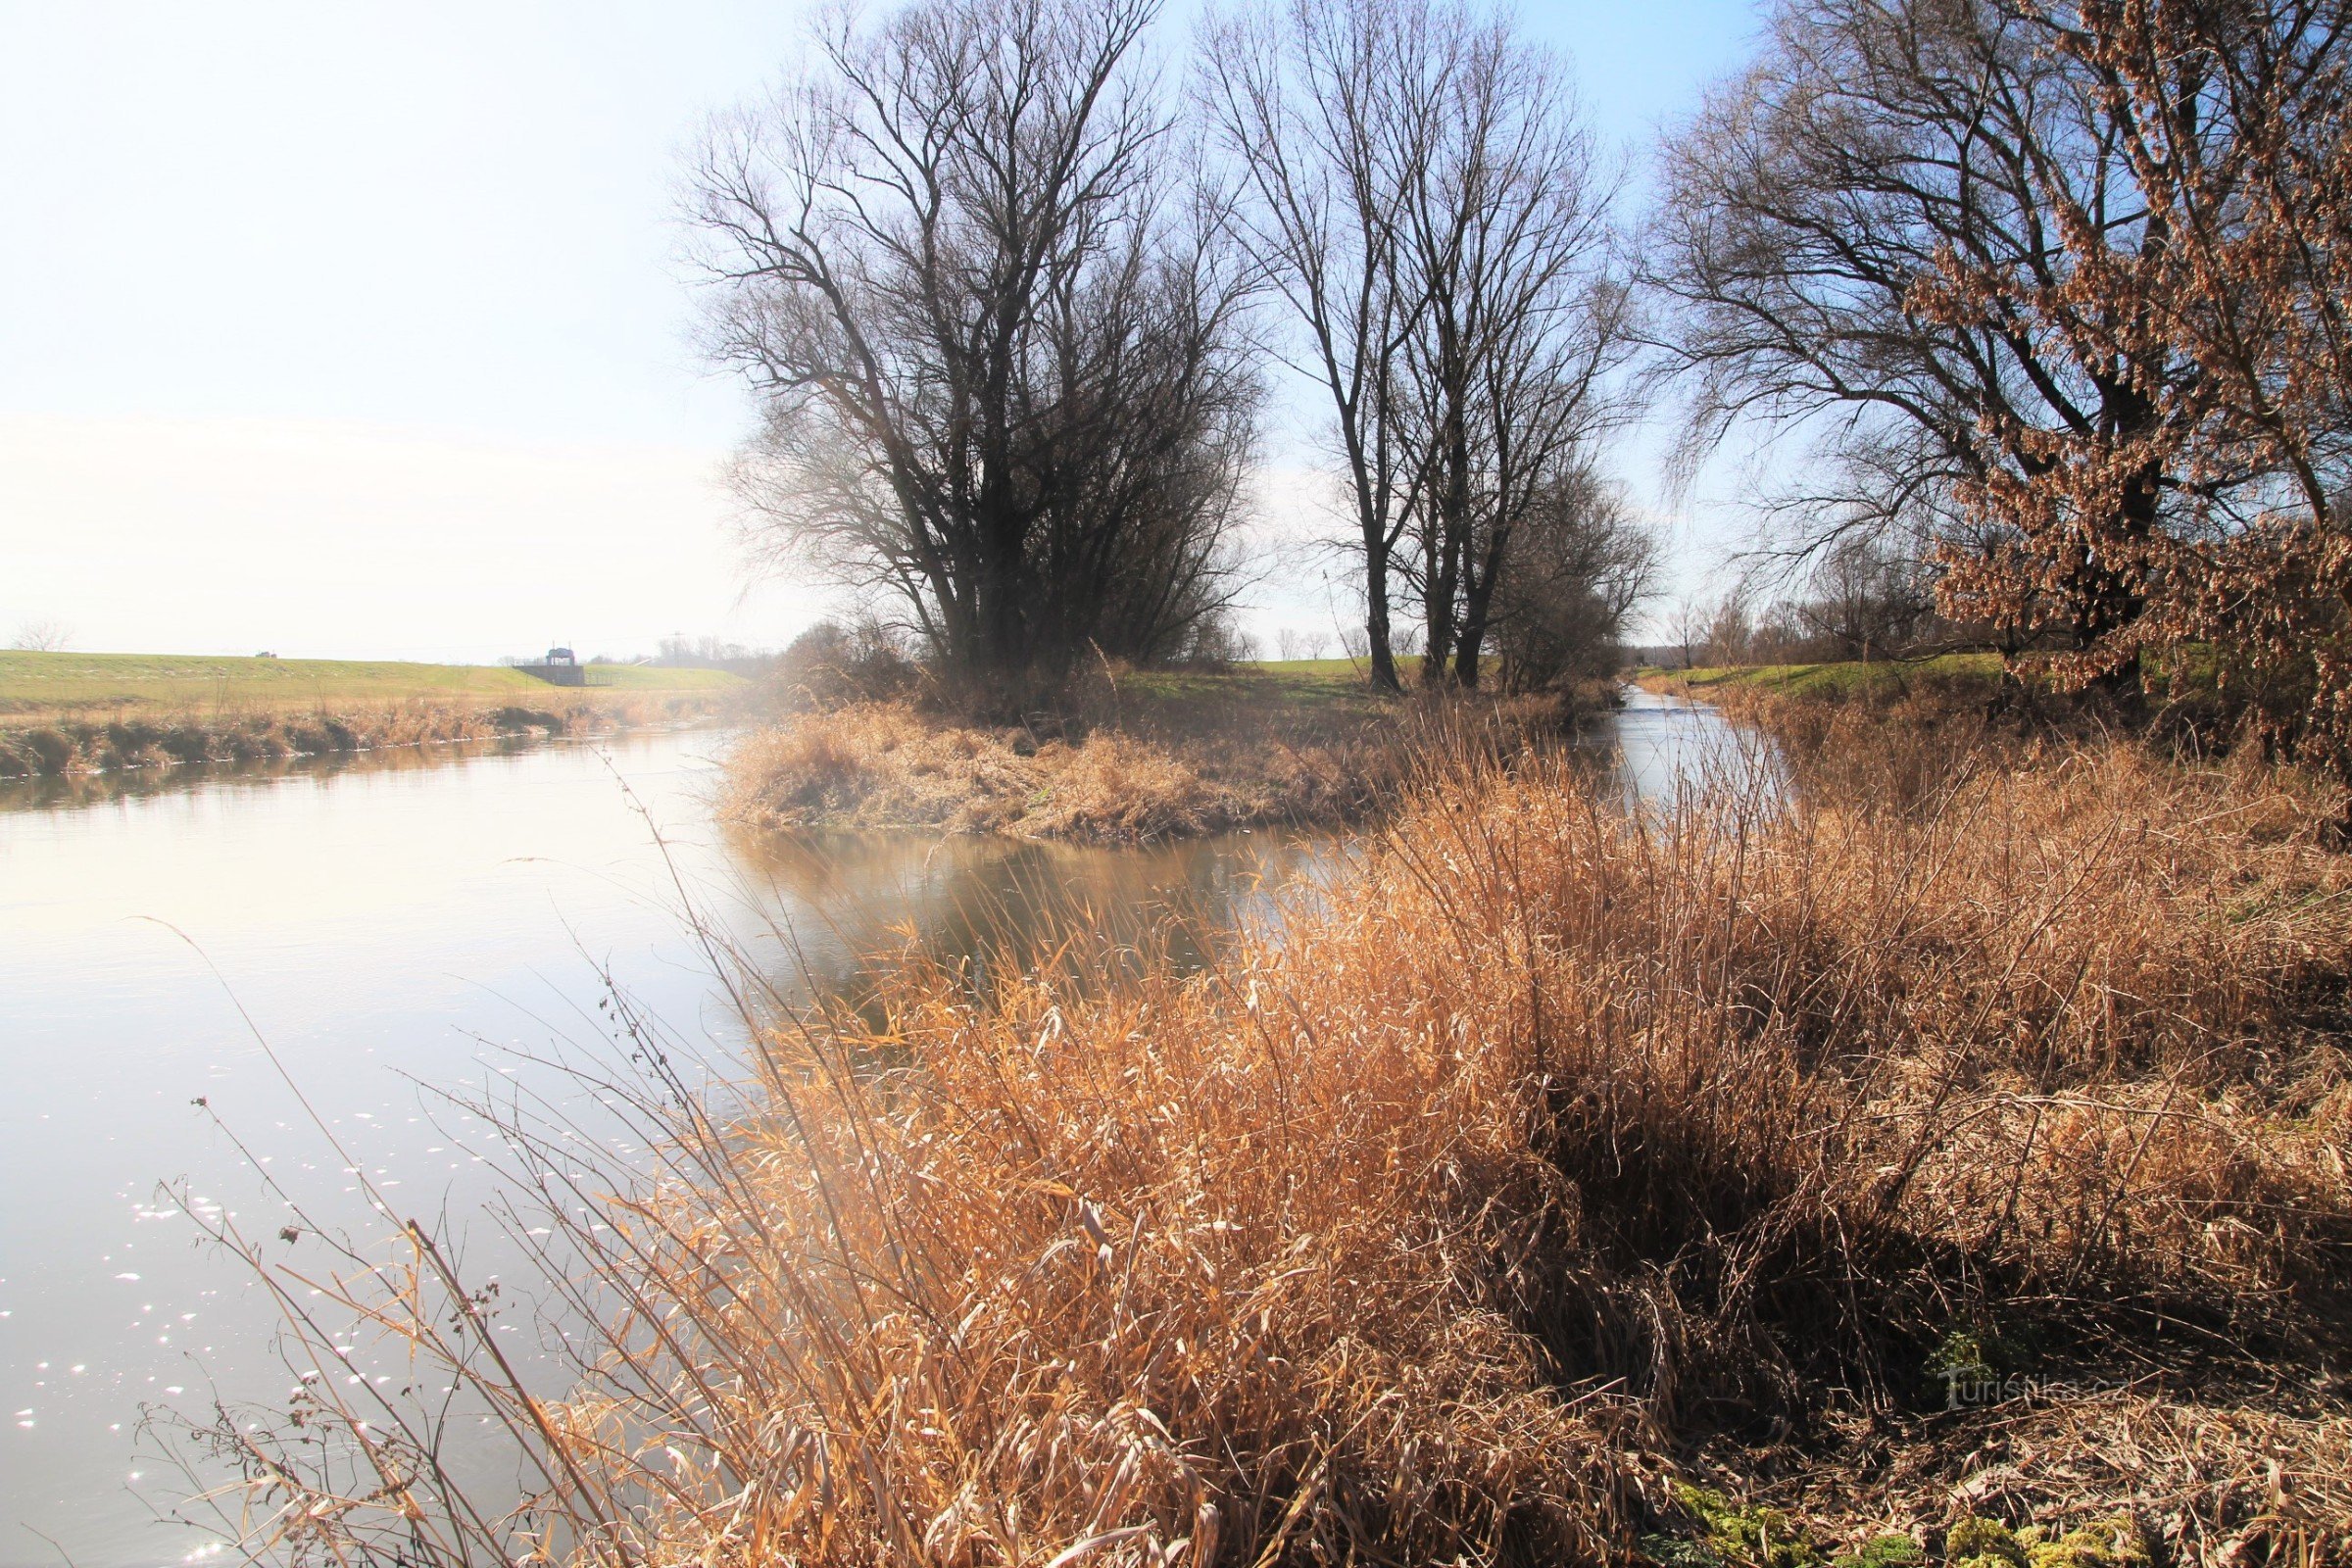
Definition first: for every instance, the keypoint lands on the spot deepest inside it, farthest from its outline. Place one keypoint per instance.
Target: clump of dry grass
(893, 765)
(2228, 1474)
(1158, 756)
(1437, 1225)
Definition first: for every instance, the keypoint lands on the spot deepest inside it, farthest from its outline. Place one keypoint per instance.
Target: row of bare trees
(2051, 285)
(1006, 292)
(1421, 194)
(1862, 599)
(2056, 285)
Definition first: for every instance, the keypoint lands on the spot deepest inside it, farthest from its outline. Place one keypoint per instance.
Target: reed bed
(1124, 767)
(890, 765)
(1557, 1152)
(69, 742)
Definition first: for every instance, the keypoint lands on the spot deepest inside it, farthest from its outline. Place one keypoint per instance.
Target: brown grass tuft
(1148, 766)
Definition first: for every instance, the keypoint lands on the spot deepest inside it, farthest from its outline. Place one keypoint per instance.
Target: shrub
(50, 751)
(830, 666)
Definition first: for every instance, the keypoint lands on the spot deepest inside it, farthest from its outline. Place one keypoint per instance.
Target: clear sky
(354, 328)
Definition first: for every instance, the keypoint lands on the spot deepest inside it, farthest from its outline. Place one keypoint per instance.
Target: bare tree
(1812, 209)
(1424, 196)
(1308, 98)
(1866, 599)
(998, 346)
(1687, 627)
(1731, 630)
(42, 637)
(1520, 322)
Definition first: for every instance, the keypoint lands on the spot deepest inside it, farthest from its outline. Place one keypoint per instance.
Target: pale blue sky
(354, 328)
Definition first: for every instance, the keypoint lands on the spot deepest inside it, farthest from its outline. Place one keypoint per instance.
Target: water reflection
(65, 792)
(395, 926)
(1661, 750)
(976, 902)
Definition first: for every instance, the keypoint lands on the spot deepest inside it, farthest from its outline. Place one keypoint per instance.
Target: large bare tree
(1814, 207)
(1420, 192)
(1519, 320)
(998, 348)
(1310, 103)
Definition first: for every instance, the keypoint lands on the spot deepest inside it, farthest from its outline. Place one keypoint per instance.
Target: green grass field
(1837, 679)
(1408, 665)
(52, 683)
(1271, 689)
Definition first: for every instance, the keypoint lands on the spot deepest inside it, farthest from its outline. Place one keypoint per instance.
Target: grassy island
(1134, 756)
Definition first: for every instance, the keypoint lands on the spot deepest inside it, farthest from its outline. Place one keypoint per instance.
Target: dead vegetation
(60, 744)
(891, 765)
(1554, 1154)
(1131, 758)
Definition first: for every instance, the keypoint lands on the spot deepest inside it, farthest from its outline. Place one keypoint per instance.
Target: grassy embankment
(1953, 1165)
(1138, 756)
(1833, 719)
(75, 713)
(1880, 681)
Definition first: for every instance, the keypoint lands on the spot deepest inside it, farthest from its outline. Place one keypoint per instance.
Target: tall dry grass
(69, 742)
(1116, 768)
(1438, 1225)
(892, 766)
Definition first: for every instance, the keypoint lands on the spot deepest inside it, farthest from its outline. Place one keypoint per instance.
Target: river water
(186, 960)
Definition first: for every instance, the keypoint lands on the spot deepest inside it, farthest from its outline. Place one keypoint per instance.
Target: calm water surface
(388, 931)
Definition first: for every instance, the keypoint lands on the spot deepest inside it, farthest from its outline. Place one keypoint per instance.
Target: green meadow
(40, 683)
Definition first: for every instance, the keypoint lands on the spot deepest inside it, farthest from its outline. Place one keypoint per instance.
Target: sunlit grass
(34, 683)
(1835, 679)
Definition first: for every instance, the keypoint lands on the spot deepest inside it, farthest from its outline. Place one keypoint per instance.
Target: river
(182, 956)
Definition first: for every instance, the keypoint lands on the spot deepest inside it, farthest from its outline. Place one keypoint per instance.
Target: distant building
(561, 667)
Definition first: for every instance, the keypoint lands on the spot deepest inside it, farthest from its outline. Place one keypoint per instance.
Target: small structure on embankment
(561, 667)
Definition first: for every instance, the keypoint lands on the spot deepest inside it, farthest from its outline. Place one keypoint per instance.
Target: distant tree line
(1860, 602)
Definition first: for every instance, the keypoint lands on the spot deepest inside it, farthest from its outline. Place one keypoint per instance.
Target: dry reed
(1441, 1224)
(1138, 770)
(888, 766)
(67, 743)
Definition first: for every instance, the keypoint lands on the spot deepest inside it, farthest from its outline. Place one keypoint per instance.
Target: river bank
(73, 713)
(399, 927)
(1943, 1166)
(1136, 758)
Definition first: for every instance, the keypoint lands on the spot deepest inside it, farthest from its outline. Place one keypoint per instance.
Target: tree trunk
(1465, 660)
(2104, 599)
(1376, 623)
